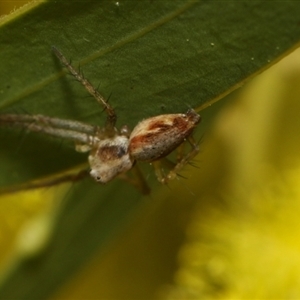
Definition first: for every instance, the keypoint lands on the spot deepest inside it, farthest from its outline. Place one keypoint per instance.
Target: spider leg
(111, 115)
(49, 121)
(66, 129)
(182, 160)
(47, 182)
(137, 180)
(158, 170)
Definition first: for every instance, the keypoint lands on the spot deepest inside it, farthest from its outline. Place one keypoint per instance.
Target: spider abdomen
(158, 136)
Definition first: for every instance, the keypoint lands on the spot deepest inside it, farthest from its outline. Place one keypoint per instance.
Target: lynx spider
(113, 152)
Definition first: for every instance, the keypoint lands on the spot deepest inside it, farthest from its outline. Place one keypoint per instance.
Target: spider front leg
(66, 129)
(111, 115)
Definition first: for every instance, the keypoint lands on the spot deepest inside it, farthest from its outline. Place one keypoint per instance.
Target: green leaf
(152, 57)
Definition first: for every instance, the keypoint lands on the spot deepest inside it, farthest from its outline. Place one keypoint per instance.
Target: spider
(113, 152)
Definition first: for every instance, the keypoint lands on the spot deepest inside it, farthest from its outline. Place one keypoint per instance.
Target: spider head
(110, 157)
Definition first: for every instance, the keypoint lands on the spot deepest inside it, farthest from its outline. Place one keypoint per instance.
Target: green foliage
(151, 57)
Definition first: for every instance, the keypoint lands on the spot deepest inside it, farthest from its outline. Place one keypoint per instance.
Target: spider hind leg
(175, 168)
